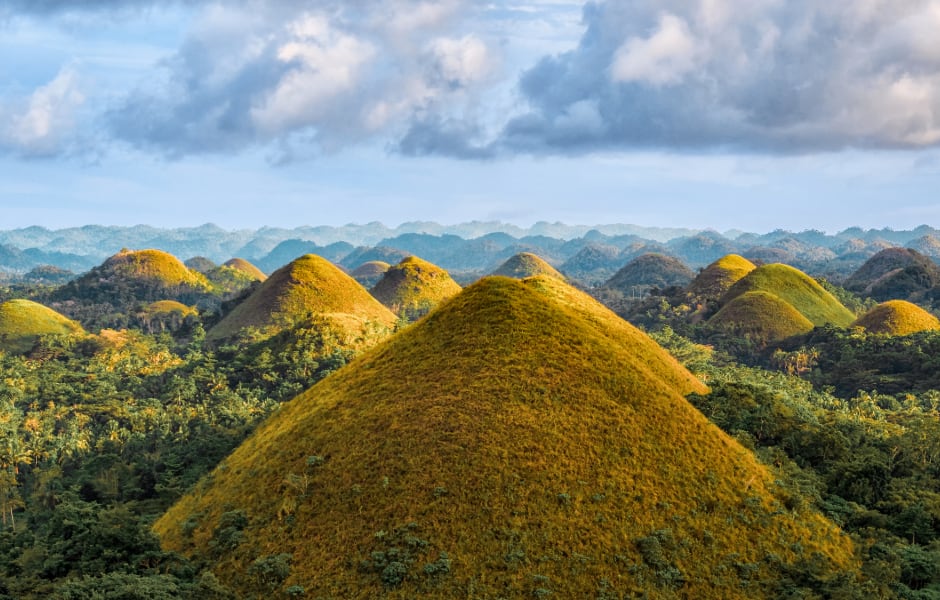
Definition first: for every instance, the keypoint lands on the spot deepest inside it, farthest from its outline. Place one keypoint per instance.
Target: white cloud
(661, 59)
(43, 123)
(459, 62)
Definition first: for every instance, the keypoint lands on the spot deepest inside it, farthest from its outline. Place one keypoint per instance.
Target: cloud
(331, 74)
(763, 76)
(43, 124)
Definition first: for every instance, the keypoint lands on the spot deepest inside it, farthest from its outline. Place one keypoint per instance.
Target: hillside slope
(413, 287)
(526, 264)
(23, 321)
(897, 317)
(519, 442)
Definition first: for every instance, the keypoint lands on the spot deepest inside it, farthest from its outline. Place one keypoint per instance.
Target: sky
(676, 113)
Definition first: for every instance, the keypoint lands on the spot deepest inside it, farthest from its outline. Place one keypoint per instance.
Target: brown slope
(413, 287)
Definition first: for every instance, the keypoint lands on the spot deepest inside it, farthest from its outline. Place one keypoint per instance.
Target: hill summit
(650, 270)
(717, 278)
(307, 287)
(520, 441)
(897, 317)
(526, 264)
(413, 287)
(23, 321)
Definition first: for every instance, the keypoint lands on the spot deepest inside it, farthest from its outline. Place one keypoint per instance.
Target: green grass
(797, 289)
(520, 440)
(308, 286)
(526, 264)
(718, 277)
(413, 287)
(165, 307)
(760, 316)
(897, 317)
(23, 321)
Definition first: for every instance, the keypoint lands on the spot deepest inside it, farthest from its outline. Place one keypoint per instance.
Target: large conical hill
(650, 270)
(526, 264)
(760, 316)
(22, 322)
(897, 317)
(796, 288)
(521, 440)
(308, 286)
(413, 287)
(718, 277)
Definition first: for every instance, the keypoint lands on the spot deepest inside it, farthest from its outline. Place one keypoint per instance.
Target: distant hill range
(588, 255)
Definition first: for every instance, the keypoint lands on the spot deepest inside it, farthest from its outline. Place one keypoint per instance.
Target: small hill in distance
(243, 266)
(521, 441)
(164, 315)
(22, 322)
(526, 264)
(370, 272)
(200, 264)
(650, 270)
(718, 277)
(234, 276)
(308, 286)
(760, 316)
(897, 317)
(413, 287)
(894, 273)
(795, 288)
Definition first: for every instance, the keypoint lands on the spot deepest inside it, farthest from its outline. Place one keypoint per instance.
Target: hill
(234, 276)
(521, 441)
(795, 288)
(761, 317)
(369, 273)
(650, 270)
(310, 285)
(718, 277)
(526, 264)
(200, 264)
(23, 321)
(878, 270)
(897, 317)
(242, 265)
(413, 287)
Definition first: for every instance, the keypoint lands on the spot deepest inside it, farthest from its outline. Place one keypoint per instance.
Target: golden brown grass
(718, 277)
(240, 264)
(414, 286)
(165, 307)
(760, 316)
(897, 317)
(153, 266)
(23, 321)
(524, 430)
(310, 285)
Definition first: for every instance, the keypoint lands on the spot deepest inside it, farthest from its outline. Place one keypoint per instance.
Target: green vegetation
(795, 288)
(520, 441)
(526, 264)
(761, 317)
(22, 322)
(308, 286)
(897, 317)
(413, 287)
(240, 264)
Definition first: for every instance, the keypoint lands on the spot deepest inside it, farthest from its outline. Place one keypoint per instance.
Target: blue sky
(695, 113)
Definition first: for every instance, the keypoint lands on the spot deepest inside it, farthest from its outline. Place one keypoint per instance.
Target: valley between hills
(472, 411)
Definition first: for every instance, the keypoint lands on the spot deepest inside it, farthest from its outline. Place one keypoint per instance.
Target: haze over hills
(518, 442)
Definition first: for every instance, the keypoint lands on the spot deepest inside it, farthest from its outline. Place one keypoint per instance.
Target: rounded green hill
(369, 273)
(717, 278)
(526, 264)
(413, 287)
(760, 316)
(897, 317)
(650, 270)
(23, 321)
(308, 286)
(796, 288)
(521, 440)
(151, 266)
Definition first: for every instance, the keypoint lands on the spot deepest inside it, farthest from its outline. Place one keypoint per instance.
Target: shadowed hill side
(309, 285)
(23, 321)
(650, 270)
(888, 264)
(795, 288)
(520, 441)
(369, 273)
(526, 264)
(718, 277)
(413, 287)
(897, 317)
(760, 316)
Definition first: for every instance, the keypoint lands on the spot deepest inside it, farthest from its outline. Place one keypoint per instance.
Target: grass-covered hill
(718, 277)
(519, 442)
(796, 288)
(234, 276)
(370, 272)
(165, 315)
(650, 270)
(760, 316)
(242, 265)
(897, 317)
(200, 263)
(413, 287)
(308, 286)
(526, 264)
(22, 322)
(894, 273)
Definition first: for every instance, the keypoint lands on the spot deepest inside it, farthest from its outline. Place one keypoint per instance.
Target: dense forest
(101, 432)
